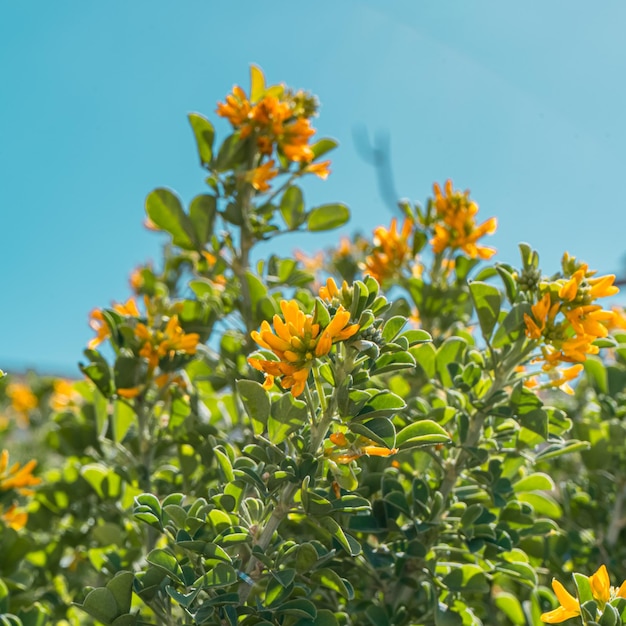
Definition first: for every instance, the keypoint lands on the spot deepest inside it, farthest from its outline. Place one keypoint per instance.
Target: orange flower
(319, 169)
(98, 323)
(15, 477)
(237, 108)
(392, 249)
(14, 518)
(349, 452)
(158, 344)
(23, 400)
(456, 226)
(297, 341)
(259, 176)
(64, 395)
(294, 141)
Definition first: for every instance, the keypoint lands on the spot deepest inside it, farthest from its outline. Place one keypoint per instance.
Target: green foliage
(256, 450)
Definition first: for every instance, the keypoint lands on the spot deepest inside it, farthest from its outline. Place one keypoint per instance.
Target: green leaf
(534, 482)
(513, 325)
(165, 210)
(542, 503)
(451, 350)
(378, 429)
(225, 464)
(554, 450)
(383, 404)
(327, 217)
(100, 603)
(34, 615)
(416, 337)
(467, 579)
(204, 133)
(98, 372)
(256, 401)
(287, 414)
(511, 607)
(323, 146)
(392, 327)
(393, 361)
(337, 533)
(166, 562)
(487, 301)
(222, 575)
(331, 580)
(292, 207)
(298, 608)
(123, 418)
(583, 588)
(421, 433)
(425, 357)
(202, 212)
(121, 586)
(520, 571)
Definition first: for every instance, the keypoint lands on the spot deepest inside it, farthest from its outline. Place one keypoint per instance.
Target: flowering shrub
(377, 435)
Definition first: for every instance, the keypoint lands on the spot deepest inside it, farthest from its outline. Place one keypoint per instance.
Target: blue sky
(523, 103)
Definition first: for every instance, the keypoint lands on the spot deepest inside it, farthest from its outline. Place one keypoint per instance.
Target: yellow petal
(600, 584)
(567, 601)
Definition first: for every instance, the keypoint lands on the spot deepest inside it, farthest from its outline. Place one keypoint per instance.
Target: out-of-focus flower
(63, 395)
(297, 341)
(158, 344)
(23, 400)
(320, 169)
(99, 325)
(17, 477)
(259, 176)
(455, 226)
(391, 250)
(14, 517)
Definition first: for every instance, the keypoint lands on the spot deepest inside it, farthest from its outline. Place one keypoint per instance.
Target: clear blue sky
(523, 103)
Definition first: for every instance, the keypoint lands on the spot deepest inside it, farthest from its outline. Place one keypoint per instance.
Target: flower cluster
(18, 479)
(297, 341)
(278, 119)
(156, 344)
(455, 225)
(391, 250)
(601, 591)
(100, 326)
(566, 319)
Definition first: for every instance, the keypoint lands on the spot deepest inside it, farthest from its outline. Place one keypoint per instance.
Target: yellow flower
(297, 341)
(392, 249)
(600, 585)
(456, 226)
(259, 176)
(569, 605)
